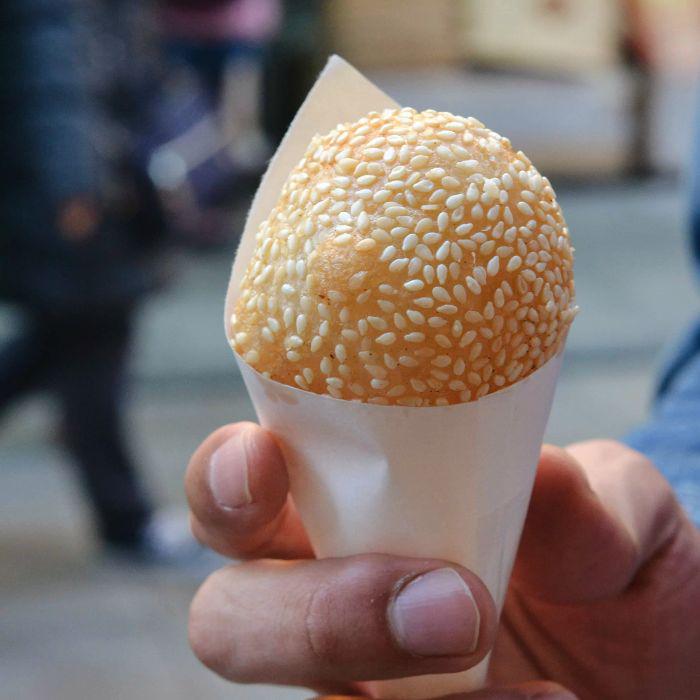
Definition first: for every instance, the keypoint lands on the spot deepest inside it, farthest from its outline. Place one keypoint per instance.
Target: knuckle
(344, 613)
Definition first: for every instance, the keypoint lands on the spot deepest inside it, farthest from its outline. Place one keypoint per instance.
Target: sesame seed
(425, 224)
(468, 166)
(357, 279)
(423, 186)
(418, 385)
(441, 294)
(398, 265)
(464, 229)
(443, 251)
(376, 322)
(414, 337)
(514, 263)
(473, 286)
(414, 285)
(424, 252)
(454, 201)
(475, 351)
(347, 165)
(386, 338)
(410, 242)
(380, 235)
(525, 208)
(381, 196)
(373, 153)
(473, 316)
(459, 293)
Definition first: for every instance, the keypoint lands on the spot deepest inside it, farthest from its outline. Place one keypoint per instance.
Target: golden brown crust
(413, 258)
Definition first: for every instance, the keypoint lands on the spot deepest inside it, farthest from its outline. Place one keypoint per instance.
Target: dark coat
(67, 136)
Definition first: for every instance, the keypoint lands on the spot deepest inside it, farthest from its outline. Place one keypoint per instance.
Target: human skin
(603, 600)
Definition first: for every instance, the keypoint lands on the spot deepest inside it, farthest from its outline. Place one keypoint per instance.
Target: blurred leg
(24, 364)
(90, 383)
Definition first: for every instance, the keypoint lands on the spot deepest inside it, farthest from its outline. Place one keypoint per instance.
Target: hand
(602, 599)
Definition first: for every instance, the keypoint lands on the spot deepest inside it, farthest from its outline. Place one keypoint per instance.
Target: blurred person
(80, 233)
(671, 436)
(224, 42)
(292, 64)
(603, 599)
(638, 56)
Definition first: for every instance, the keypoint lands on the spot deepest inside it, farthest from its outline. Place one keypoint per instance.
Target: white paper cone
(450, 482)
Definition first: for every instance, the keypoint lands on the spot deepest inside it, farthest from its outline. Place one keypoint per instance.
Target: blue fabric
(671, 437)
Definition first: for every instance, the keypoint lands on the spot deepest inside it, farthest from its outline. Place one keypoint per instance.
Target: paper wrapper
(450, 482)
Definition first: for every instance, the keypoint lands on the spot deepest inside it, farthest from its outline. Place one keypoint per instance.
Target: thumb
(599, 511)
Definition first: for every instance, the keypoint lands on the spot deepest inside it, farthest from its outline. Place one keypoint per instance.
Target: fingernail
(228, 473)
(435, 615)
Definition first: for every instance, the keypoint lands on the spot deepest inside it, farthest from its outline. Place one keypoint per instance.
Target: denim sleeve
(671, 437)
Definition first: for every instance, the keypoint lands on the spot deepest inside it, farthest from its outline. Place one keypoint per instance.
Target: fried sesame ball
(413, 258)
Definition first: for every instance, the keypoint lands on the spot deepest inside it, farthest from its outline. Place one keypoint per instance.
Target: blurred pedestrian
(224, 42)
(80, 233)
(210, 34)
(637, 54)
(671, 436)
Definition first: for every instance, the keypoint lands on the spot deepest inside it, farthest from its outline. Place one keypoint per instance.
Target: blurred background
(133, 135)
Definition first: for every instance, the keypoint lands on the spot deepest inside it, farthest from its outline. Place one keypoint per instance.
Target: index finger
(237, 487)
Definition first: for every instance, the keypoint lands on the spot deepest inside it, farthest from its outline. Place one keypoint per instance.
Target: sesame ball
(413, 258)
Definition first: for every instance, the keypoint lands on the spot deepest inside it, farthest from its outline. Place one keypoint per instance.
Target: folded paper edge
(251, 374)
